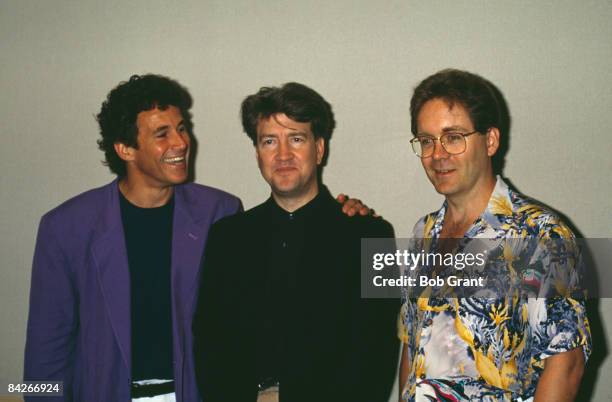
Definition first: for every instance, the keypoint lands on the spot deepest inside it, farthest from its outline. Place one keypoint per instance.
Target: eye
(453, 138)
(182, 129)
(298, 139)
(426, 141)
(267, 141)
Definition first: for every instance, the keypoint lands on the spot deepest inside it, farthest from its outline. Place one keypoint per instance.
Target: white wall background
(58, 59)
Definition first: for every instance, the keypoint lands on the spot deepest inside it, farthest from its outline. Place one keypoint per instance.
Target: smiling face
(457, 176)
(288, 155)
(163, 149)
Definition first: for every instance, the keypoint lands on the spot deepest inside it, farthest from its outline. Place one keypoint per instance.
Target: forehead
(281, 123)
(439, 114)
(154, 118)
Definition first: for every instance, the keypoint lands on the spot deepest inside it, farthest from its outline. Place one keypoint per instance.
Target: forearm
(404, 369)
(561, 377)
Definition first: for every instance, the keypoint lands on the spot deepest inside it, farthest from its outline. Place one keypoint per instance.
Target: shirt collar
(305, 211)
(500, 203)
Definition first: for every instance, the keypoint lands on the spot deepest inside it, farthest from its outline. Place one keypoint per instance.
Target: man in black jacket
(280, 314)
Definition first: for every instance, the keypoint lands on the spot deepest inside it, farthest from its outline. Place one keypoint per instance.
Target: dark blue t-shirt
(148, 238)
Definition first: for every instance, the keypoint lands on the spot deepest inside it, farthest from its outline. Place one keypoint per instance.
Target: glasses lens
(416, 147)
(454, 143)
(422, 146)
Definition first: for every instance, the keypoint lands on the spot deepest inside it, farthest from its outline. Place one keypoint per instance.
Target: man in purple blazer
(116, 269)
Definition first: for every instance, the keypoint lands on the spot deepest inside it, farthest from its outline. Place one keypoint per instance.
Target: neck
(143, 196)
(463, 209)
(292, 203)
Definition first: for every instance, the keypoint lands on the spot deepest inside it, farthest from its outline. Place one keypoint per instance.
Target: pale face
(288, 156)
(162, 155)
(465, 174)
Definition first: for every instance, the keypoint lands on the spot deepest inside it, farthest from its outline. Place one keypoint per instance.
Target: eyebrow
(291, 134)
(454, 128)
(449, 129)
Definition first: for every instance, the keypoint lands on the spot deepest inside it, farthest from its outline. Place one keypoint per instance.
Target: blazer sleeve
(53, 317)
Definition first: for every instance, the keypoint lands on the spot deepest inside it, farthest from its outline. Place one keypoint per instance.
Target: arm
(206, 318)
(377, 318)
(213, 337)
(53, 317)
(561, 377)
(567, 326)
(404, 369)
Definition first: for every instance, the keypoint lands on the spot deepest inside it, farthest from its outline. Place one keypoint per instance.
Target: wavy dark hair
(117, 117)
(473, 92)
(297, 101)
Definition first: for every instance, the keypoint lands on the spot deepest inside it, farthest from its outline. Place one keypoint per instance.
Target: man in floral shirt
(504, 348)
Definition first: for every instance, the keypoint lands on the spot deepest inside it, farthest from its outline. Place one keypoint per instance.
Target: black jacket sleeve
(375, 331)
(217, 339)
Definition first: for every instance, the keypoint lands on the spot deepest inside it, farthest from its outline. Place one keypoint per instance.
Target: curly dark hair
(297, 101)
(473, 92)
(117, 117)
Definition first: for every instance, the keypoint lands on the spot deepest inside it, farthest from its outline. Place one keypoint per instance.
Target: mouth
(284, 169)
(175, 160)
(443, 172)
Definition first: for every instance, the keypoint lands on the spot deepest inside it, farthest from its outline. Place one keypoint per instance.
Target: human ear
(125, 152)
(493, 135)
(320, 146)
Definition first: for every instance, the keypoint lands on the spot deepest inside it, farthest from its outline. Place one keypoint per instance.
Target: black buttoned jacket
(325, 341)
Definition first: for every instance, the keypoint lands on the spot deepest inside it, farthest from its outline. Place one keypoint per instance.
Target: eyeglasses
(453, 143)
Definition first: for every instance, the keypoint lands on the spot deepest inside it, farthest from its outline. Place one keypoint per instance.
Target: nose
(284, 151)
(180, 140)
(439, 151)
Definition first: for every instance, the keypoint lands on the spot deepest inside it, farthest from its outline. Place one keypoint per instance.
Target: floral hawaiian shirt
(493, 348)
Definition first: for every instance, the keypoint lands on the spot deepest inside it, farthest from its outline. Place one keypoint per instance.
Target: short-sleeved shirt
(493, 349)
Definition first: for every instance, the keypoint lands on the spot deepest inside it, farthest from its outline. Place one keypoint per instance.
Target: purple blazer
(79, 322)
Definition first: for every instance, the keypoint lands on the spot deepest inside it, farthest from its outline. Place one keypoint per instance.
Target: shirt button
(290, 217)
(284, 244)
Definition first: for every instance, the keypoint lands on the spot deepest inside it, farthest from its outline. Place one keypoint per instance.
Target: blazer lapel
(110, 259)
(187, 249)
(188, 240)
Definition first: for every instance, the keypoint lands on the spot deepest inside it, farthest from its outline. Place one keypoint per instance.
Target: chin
(444, 188)
(281, 186)
(176, 175)
(285, 191)
(178, 180)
